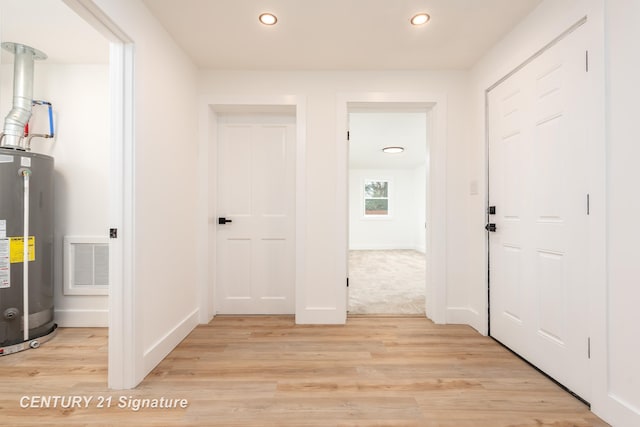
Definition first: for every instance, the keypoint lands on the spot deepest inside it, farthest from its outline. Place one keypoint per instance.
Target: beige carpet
(386, 282)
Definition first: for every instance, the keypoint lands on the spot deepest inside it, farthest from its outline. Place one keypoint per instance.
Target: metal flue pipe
(18, 117)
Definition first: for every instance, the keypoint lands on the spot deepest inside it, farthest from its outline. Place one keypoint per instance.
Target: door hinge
(347, 282)
(586, 61)
(348, 136)
(113, 233)
(589, 348)
(588, 204)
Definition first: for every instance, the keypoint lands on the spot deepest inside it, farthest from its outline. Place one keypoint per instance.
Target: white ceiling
(310, 34)
(370, 132)
(337, 34)
(51, 27)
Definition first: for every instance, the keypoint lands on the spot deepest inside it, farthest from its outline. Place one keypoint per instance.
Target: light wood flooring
(266, 371)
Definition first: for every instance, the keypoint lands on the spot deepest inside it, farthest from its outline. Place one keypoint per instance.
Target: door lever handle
(222, 220)
(490, 227)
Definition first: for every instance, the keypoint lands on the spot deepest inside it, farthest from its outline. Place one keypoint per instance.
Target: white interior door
(538, 184)
(255, 271)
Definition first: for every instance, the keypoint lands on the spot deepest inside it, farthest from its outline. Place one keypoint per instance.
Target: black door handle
(222, 220)
(490, 227)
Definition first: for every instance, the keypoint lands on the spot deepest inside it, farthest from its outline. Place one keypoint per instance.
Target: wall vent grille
(86, 265)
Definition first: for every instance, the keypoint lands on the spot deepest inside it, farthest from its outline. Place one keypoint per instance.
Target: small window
(376, 198)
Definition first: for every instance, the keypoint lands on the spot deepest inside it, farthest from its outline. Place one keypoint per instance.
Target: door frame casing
(125, 357)
(210, 106)
(436, 232)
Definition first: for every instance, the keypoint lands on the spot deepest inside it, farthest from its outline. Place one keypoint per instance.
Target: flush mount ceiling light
(393, 150)
(420, 19)
(268, 19)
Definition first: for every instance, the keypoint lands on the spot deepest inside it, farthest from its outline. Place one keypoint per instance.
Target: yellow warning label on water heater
(16, 249)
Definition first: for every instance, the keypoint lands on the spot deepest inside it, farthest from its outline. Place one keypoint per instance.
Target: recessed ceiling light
(393, 150)
(268, 19)
(420, 19)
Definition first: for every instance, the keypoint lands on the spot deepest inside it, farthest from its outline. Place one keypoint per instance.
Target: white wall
(420, 189)
(620, 391)
(615, 59)
(323, 283)
(165, 193)
(400, 229)
(79, 94)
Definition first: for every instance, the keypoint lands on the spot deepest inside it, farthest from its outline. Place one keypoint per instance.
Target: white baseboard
(166, 344)
(464, 316)
(321, 316)
(386, 248)
(82, 318)
(614, 410)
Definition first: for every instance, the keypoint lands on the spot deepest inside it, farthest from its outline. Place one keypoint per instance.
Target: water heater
(26, 220)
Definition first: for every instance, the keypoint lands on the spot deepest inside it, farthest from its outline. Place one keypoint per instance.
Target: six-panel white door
(538, 185)
(255, 270)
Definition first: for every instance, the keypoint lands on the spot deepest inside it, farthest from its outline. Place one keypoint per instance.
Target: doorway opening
(387, 210)
(87, 78)
(433, 106)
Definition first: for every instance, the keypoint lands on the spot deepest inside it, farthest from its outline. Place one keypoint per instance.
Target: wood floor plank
(267, 371)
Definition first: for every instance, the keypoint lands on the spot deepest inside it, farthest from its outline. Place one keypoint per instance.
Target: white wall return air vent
(86, 265)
